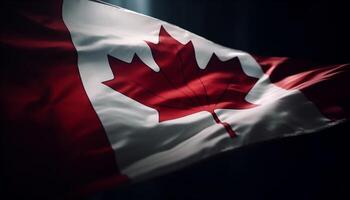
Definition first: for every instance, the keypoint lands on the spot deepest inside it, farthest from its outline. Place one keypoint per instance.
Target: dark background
(305, 167)
(313, 166)
(303, 29)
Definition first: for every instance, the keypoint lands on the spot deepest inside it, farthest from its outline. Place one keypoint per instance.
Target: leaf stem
(224, 124)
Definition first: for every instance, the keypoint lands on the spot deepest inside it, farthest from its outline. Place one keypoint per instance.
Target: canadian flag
(94, 96)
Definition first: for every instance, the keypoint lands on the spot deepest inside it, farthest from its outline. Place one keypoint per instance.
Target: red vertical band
(326, 86)
(53, 144)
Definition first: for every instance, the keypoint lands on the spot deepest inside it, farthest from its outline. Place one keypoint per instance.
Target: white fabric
(143, 146)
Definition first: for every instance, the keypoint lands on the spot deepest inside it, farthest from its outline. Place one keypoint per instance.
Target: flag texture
(94, 96)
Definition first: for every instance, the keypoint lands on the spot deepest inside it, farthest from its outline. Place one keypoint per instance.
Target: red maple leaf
(181, 88)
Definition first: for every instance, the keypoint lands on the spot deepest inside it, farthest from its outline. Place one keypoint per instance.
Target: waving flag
(95, 96)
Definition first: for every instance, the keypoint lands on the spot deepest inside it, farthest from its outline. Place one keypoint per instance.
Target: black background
(311, 166)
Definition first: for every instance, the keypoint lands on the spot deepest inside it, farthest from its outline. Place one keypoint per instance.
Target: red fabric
(53, 143)
(181, 88)
(326, 86)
